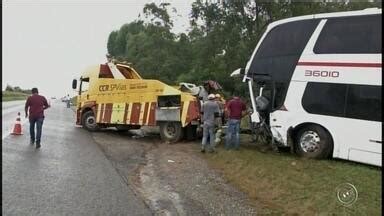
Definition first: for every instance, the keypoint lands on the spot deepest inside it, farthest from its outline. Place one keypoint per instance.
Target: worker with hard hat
(210, 111)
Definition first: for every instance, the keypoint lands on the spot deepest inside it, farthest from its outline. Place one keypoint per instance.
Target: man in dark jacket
(36, 104)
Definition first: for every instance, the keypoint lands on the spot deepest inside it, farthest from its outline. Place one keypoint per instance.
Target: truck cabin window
(128, 74)
(84, 84)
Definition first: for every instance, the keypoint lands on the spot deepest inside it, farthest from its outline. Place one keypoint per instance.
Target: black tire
(190, 132)
(88, 121)
(171, 131)
(313, 141)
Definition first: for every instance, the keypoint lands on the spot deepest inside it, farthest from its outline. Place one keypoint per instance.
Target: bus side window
(364, 102)
(348, 35)
(325, 98)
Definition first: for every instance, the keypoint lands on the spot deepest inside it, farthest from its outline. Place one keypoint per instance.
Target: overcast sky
(48, 43)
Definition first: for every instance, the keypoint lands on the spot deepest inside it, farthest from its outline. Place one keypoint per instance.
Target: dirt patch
(192, 187)
(172, 179)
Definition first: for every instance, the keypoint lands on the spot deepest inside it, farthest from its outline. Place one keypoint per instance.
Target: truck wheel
(88, 121)
(190, 132)
(171, 131)
(313, 142)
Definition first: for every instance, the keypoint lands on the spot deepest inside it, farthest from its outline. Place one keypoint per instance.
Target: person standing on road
(210, 111)
(236, 109)
(68, 100)
(36, 104)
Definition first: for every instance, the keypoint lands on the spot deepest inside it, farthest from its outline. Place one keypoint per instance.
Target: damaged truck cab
(115, 95)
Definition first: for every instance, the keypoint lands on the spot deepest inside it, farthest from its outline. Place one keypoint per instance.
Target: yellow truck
(115, 95)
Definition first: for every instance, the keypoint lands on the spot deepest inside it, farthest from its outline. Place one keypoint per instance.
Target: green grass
(285, 184)
(11, 96)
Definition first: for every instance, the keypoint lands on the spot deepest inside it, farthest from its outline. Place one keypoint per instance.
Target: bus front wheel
(313, 141)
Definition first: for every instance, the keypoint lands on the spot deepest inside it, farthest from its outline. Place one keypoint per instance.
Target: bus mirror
(74, 84)
(238, 72)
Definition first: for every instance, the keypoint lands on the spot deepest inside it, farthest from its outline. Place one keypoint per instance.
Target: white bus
(324, 75)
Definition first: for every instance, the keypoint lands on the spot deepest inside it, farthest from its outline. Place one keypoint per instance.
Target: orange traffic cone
(17, 127)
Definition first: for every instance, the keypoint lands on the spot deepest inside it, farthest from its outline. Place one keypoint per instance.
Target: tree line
(17, 89)
(221, 38)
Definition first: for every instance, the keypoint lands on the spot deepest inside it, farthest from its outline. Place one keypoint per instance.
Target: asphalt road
(68, 175)
(9, 114)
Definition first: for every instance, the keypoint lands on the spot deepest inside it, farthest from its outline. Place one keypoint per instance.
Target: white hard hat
(211, 96)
